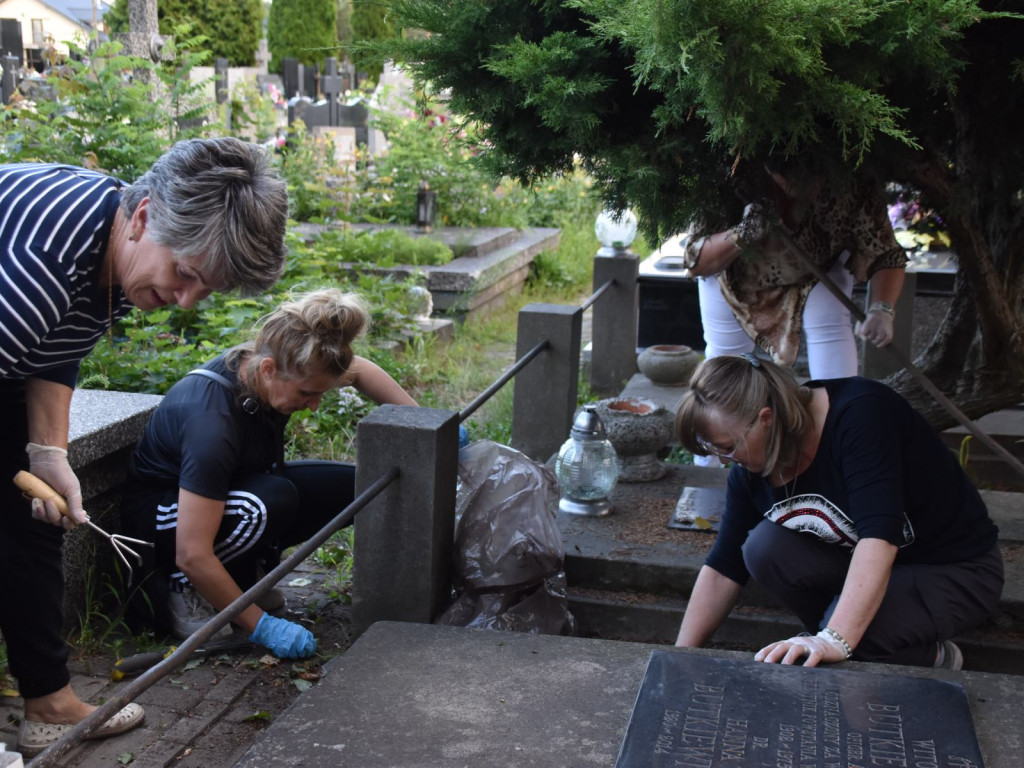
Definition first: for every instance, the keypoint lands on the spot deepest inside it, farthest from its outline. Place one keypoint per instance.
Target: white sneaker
(189, 611)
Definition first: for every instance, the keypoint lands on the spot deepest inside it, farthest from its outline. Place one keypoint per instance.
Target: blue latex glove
(285, 639)
(463, 437)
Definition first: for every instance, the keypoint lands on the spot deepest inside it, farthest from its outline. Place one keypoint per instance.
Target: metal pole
(903, 358)
(484, 396)
(81, 731)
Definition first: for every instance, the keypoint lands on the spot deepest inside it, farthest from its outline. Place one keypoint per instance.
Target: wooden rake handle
(34, 488)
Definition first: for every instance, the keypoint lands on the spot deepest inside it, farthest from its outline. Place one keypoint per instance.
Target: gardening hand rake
(34, 488)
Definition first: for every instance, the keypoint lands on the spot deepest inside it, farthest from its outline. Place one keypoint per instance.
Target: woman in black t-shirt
(208, 481)
(844, 503)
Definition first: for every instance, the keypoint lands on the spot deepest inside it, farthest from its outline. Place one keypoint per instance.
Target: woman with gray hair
(209, 483)
(844, 503)
(78, 250)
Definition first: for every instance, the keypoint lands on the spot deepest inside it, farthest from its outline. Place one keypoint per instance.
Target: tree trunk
(977, 355)
(144, 34)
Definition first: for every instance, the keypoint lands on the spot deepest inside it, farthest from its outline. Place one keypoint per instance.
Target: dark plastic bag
(508, 549)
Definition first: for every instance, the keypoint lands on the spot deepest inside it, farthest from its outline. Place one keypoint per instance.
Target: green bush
(383, 248)
(305, 162)
(253, 112)
(443, 154)
(300, 29)
(102, 118)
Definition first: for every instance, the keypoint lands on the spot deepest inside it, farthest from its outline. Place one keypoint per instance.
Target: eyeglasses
(713, 450)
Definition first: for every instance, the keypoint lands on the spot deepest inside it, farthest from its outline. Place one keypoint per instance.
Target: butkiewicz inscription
(696, 711)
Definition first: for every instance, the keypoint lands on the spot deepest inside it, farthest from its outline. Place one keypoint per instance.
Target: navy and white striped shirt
(55, 222)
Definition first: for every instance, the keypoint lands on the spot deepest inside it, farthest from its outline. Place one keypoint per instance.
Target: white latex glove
(816, 648)
(877, 328)
(50, 464)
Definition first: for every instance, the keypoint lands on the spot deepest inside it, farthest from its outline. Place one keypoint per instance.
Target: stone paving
(211, 710)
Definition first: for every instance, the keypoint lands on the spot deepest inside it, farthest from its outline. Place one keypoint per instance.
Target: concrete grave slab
(424, 696)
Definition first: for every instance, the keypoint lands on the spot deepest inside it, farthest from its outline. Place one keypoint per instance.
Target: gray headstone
(291, 73)
(712, 712)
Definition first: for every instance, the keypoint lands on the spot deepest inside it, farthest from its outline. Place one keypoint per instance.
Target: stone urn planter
(668, 364)
(638, 428)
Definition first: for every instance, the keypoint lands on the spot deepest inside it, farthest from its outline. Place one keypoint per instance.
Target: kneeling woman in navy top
(208, 481)
(844, 503)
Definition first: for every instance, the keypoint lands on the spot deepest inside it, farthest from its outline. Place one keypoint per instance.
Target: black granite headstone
(696, 711)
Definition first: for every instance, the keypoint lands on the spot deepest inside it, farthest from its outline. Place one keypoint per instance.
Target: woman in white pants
(756, 291)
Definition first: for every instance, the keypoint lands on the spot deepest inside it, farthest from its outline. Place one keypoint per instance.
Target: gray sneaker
(189, 611)
(952, 657)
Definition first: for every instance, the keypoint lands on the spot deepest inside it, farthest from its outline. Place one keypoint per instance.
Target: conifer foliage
(673, 105)
(303, 30)
(232, 28)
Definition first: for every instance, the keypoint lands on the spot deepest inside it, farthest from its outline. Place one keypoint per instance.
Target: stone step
(491, 264)
(634, 549)
(475, 284)
(629, 574)
(985, 468)
(651, 573)
(646, 618)
(464, 241)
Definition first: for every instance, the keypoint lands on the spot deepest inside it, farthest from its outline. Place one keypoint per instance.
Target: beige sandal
(34, 737)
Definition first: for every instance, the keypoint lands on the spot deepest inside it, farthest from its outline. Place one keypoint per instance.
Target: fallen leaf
(703, 523)
(302, 581)
(262, 715)
(125, 758)
(10, 692)
(310, 675)
(269, 660)
(302, 685)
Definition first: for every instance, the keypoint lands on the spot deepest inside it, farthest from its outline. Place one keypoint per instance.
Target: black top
(881, 471)
(200, 437)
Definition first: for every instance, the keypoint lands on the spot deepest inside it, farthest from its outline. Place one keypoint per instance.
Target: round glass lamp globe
(615, 230)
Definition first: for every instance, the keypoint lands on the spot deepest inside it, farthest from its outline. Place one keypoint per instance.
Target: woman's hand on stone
(814, 648)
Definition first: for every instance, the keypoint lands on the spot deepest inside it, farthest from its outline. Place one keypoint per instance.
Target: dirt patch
(651, 527)
(1012, 551)
(207, 712)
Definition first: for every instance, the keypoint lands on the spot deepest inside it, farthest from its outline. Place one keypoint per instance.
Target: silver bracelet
(883, 306)
(830, 634)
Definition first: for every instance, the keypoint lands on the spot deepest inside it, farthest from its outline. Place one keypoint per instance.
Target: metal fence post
(613, 343)
(404, 537)
(545, 390)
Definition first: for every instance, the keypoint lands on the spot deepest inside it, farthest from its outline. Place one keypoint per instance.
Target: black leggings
(263, 515)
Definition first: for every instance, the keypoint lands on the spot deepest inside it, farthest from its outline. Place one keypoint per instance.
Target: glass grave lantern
(615, 231)
(587, 467)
